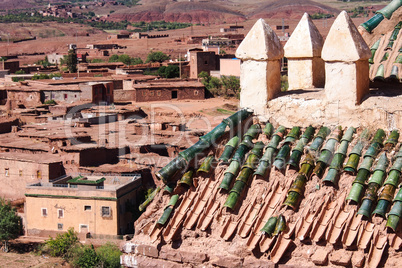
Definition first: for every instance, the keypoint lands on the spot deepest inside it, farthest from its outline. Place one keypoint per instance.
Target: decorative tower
(260, 70)
(303, 51)
(346, 57)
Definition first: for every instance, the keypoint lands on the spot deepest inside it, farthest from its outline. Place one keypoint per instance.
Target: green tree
(231, 83)
(162, 71)
(170, 71)
(205, 78)
(126, 59)
(114, 58)
(135, 61)
(10, 223)
(72, 61)
(215, 86)
(157, 56)
(109, 255)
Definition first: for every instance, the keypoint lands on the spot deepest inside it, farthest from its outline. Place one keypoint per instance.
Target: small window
(20, 173)
(206, 62)
(72, 162)
(60, 213)
(7, 172)
(59, 226)
(87, 208)
(158, 93)
(38, 174)
(44, 212)
(65, 96)
(195, 92)
(83, 226)
(151, 93)
(144, 93)
(105, 212)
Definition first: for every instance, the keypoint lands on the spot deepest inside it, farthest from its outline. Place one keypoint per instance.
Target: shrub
(126, 59)
(50, 102)
(45, 62)
(284, 83)
(45, 76)
(95, 60)
(58, 247)
(83, 256)
(20, 72)
(231, 83)
(109, 255)
(17, 79)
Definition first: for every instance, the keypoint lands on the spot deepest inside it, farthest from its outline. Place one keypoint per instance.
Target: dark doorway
(174, 94)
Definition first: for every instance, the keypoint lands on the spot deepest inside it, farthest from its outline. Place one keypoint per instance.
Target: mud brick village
(262, 142)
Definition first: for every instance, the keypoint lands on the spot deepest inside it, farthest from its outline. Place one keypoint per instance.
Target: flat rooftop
(32, 158)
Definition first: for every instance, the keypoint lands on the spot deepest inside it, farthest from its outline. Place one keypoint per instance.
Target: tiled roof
(291, 208)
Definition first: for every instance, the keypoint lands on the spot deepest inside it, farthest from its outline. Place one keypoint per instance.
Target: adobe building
(162, 90)
(23, 97)
(95, 206)
(202, 61)
(100, 91)
(11, 65)
(18, 169)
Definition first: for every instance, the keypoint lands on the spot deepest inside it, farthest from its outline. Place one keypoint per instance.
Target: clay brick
(194, 257)
(320, 257)
(341, 257)
(129, 247)
(146, 250)
(170, 255)
(294, 266)
(258, 263)
(144, 262)
(226, 261)
(358, 259)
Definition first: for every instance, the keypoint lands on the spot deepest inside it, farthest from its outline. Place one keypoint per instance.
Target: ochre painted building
(95, 207)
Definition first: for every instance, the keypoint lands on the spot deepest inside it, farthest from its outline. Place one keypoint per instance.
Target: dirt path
(22, 260)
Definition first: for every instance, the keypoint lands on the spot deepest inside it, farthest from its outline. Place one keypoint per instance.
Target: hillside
(193, 12)
(291, 9)
(218, 11)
